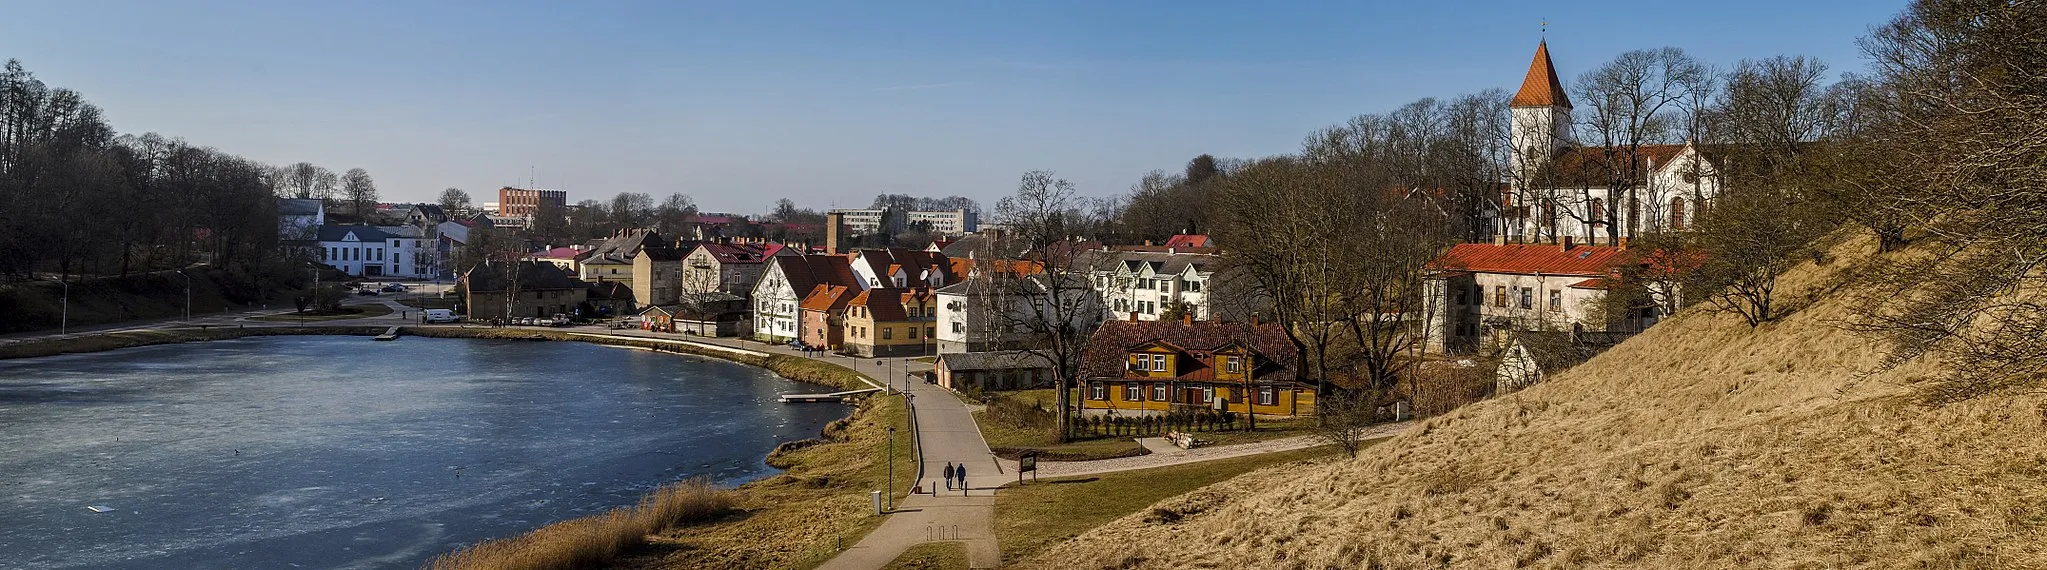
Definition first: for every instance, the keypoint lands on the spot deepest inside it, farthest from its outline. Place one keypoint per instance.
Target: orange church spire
(1541, 88)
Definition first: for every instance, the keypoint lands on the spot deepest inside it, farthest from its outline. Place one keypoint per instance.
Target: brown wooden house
(1146, 367)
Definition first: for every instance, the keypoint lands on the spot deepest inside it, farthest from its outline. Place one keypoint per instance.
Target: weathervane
(1545, 28)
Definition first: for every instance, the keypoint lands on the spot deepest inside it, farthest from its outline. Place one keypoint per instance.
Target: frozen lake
(341, 452)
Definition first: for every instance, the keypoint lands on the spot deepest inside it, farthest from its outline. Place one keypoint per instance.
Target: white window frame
(1158, 363)
(1098, 391)
(1158, 392)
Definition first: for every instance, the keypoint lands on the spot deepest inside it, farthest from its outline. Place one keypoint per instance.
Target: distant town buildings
(522, 202)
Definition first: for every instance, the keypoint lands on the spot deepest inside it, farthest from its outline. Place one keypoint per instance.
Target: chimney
(1623, 243)
(1500, 238)
(1254, 319)
(1133, 316)
(1187, 319)
(1147, 243)
(1566, 244)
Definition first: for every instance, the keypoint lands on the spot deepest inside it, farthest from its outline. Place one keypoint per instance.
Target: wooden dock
(389, 334)
(832, 397)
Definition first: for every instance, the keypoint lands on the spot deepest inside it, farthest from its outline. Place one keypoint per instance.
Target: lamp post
(891, 468)
(188, 294)
(64, 314)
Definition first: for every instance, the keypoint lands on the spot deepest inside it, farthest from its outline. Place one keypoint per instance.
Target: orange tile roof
(1541, 88)
(828, 298)
(1529, 259)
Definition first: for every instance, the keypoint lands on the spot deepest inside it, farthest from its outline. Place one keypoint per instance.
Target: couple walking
(956, 474)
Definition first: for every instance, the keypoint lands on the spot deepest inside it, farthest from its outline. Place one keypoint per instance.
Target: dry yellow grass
(595, 540)
(1699, 444)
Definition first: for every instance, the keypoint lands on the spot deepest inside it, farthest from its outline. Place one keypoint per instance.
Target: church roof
(1541, 88)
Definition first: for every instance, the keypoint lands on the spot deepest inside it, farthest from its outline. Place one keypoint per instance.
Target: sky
(829, 103)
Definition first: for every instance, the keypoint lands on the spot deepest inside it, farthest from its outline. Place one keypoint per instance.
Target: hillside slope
(1698, 444)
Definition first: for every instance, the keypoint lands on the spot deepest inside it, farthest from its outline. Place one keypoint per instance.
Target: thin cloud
(921, 87)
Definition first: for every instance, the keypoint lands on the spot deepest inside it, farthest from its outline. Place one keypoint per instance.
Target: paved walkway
(946, 433)
(1173, 455)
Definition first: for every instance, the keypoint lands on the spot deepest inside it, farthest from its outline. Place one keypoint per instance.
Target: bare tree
(304, 180)
(454, 201)
(1346, 418)
(631, 210)
(1061, 311)
(674, 213)
(359, 191)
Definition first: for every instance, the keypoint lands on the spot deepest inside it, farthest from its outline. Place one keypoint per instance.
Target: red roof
(1188, 240)
(560, 253)
(1530, 259)
(1541, 88)
(740, 253)
(886, 304)
(828, 298)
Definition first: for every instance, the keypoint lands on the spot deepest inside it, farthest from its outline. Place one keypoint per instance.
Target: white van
(440, 316)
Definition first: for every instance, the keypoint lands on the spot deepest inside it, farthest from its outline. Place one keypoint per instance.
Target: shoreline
(826, 460)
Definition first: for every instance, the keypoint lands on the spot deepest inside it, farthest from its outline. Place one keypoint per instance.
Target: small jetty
(389, 334)
(832, 397)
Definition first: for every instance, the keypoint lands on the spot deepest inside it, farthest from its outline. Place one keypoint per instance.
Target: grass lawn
(349, 312)
(1267, 429)
(428, 302)
(1039, 514)
(1009, 440)
(931, 555)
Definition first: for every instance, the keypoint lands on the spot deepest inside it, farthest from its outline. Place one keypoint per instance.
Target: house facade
(657, 276)
(999, 370)
(377, 251)
(824, 316)
(1153, 367)
(1479, 293)
(1142, 285)
(778, 295)
(727, 267)
(492, 290)
(891, 322)
(612, 259)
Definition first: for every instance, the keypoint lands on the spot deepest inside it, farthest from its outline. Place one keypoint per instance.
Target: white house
(727, 267)
(377, 251)
(1480, 291)
(778, 295)
(1141, 285)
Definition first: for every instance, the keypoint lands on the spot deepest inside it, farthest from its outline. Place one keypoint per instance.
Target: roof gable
(1530, 259)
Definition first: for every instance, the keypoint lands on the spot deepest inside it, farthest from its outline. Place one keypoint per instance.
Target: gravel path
(1199, 454)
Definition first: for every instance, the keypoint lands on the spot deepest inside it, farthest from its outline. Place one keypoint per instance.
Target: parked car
(367, 292)
(440, 316)
(394, 288)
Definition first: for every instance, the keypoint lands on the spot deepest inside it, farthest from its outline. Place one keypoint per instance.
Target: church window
(1597, 209)
(1677, 213)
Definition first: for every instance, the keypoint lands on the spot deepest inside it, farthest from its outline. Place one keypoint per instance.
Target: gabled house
(657, 276)
(727, 267)
(891, 322)
(778, 295)
(1478, 292)
(499, 289)
(612, 259)
(1141, 285)
(824, 316)
(1148, 367)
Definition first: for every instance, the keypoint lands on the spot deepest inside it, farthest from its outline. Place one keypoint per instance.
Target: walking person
(961, 475)
(948, 475)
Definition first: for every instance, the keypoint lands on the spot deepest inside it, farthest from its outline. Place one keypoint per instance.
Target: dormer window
(1158, 363)
(1233, 364)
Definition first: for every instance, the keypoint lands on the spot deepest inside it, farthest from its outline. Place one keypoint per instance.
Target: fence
(1117, 426)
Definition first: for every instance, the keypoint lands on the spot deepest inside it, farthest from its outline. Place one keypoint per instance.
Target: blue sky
(828, 103)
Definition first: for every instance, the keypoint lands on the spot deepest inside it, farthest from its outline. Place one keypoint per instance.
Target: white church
(1593, 195)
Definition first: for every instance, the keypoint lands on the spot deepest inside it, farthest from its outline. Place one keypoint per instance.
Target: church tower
(1542, 116)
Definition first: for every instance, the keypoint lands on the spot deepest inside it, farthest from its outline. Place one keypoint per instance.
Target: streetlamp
(891, 468)
(188, 294)
(64, 318)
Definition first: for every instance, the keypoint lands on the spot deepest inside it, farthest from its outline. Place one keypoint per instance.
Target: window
(1268, 395)
(913, 333)
(1556, 300)
(1499, 295)
(1132, 392)
(931, 332)
(1138, 362)
(1158, 392)
(1158, 363)
(1527, 298)
(1459, 292)
(1677, 213)
(888, 333)
(958, 327)
(1598, 210)
(1191, 286)
(1207, 394)
(1098, 391)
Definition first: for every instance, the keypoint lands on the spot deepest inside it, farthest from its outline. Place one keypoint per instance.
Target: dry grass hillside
(1698, 444)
